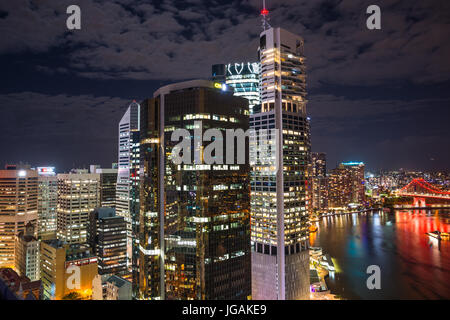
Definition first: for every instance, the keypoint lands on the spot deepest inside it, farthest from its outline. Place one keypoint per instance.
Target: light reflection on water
(412, 265)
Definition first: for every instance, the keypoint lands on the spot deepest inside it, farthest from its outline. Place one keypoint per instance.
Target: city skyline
(372, 96)
(216, 150)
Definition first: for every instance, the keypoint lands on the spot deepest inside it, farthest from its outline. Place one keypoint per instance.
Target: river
(412, 266)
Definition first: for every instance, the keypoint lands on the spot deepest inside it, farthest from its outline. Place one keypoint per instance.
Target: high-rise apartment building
(319, 194)
(319, 182)
(18, 207)
(346, 185)
(242, 77)
(279, 202)
(27, 253)
(319, 164)
(57, 270)
(78, 195)
(107, 237)
(127, 189)
(47, 202)
(194, 239)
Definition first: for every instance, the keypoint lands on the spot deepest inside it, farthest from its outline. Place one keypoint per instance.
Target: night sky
(378, 96)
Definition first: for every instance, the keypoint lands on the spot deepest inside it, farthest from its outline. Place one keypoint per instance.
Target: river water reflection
(412, 265)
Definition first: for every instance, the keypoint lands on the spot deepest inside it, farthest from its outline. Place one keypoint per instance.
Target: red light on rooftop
(264, 12)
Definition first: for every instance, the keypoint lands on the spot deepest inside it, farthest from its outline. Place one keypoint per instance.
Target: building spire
(265, 16)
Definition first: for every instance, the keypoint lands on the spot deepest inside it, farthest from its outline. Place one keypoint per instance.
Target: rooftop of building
(74, 251)
(353, 163)
(79, 174)
(105, 213)
(18, 172)
(199, 83)
(55, 243)
(118, 281)
(27, 237)
(78, 251)
(16, 282)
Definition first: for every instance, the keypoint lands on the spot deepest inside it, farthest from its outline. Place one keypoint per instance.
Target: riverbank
(319, 271)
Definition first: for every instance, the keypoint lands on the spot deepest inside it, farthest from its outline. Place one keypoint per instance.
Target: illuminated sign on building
(353, 163)
(243, 69)
(46, 171)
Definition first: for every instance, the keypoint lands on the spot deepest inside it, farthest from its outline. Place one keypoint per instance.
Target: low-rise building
(22, 287)
(67, 269)
(27, 253)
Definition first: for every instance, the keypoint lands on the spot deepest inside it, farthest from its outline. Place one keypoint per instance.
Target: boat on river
(439, 235)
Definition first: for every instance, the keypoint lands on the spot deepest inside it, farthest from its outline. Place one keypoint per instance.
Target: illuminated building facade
(319, 182)
(242, 77)
(18, 207)
(78, 195)
(195, 218)
(319, 164)
(47, 202)
(279, 201)
(27, 253)
(347, 185)
(319, 194)
(107, 237)
(108, 182)
(127, 189)
(57, 259)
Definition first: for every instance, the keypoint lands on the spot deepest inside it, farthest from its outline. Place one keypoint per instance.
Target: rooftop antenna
(265, 17)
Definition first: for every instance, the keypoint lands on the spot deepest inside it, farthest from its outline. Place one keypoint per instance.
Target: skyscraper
(107, 236)
(78, 195)
(108, 182)
(319, 182)
(127, 189)
(346, 185)
(18, 207)
(319, 164)
(47, 202)
(242, 77)
(194, 237)
(280, 256)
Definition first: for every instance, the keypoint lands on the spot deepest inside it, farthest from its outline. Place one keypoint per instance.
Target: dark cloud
(62, 130)
(384, 133)
(358, 79)
(138, 40)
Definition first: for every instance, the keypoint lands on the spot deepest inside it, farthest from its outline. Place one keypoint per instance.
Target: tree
(72, 296)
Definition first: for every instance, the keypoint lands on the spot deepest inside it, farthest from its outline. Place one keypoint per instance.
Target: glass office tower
(279, 200)
(127, 189)
(194, 237)
(107, 236)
